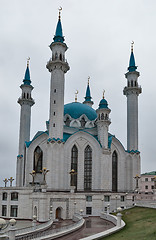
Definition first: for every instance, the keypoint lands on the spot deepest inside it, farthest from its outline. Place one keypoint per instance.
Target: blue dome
(76, 109)
(103, 104)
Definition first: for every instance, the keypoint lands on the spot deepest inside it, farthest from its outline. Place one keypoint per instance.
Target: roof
(58, 34)
(149, 173)
(103, 104)
(27, 77)
(77, 109)
(132, 66)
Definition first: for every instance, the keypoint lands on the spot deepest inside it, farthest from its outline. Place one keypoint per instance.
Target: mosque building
(76, 164)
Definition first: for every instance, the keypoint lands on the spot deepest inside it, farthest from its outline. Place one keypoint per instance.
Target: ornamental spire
(26, 79)
(132, 66)
(59, 34)
(88, 97)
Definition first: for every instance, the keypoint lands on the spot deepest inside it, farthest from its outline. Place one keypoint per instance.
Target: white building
(76, 164)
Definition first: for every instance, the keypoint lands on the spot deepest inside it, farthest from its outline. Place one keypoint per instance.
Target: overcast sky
(98, 35)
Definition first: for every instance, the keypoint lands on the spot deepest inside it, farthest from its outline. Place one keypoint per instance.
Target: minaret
(26, 102)
(103, 122)
(88, 97)
(132, 91)
(58, 66)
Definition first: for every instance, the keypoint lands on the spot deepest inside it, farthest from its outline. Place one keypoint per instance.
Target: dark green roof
(149, 173)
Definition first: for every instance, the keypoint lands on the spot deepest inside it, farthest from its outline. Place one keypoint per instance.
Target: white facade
(85, 166)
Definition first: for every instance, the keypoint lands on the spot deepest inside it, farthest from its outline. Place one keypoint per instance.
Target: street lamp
(33, 174)
(5, 181)
(108, 205)
(44, 171)
(116, 197)
(11, 179)
(2, 223)
(81, 211)
(102, 200)
(137, 177)
(72, 173)
(74, 207)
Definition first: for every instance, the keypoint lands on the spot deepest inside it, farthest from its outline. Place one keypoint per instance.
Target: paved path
(92, 226)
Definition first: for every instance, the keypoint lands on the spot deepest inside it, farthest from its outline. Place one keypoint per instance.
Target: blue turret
(88, 97)
(26, 79)
(132, 66)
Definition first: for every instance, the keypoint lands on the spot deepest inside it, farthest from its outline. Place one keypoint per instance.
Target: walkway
(92, 226)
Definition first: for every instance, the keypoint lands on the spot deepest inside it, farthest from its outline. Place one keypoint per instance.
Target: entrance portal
(58, 213)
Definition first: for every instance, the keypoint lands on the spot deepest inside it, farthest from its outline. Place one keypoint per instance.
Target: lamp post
(81, 212)
(11, 179)
(4, 225)
(116, 197)
(51, 211)
(72, 173)
(33, 174)
(108, 206)
(44, 172)
(102, 201)
(5, 181)
(137, 177)
(74, 207)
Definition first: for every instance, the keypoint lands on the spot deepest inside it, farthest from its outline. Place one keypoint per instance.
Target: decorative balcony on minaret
(132, 91)
(58, 66)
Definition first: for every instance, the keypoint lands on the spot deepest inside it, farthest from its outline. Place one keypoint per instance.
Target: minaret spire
(88, 97)
(57, 66)
(26, 102)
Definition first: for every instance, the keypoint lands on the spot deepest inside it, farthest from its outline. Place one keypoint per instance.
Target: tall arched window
(88, 168)
(38, 155)
(74, 160)
(114, 172)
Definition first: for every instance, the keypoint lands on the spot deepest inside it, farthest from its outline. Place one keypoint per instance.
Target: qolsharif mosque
(76, 164)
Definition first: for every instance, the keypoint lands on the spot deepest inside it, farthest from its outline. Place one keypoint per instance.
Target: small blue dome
(76, 109)
(103, 104)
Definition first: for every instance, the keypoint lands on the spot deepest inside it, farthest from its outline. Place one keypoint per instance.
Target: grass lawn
(140, 225)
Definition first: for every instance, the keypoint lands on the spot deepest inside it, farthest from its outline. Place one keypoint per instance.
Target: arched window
(131, 83)
(67, 122)
(24, 95)
(99, 116)
(35, 211)
(56, 56)
(114, 172)
(74, 160)
(38, 155)
(60, 56)
(102, 116)
(88, 168)
(27, 95)
(83, 122)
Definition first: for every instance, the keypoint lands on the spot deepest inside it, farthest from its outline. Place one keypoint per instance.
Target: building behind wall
(76, 164)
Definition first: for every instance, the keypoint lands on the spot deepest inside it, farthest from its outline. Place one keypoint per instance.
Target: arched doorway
(58, 213)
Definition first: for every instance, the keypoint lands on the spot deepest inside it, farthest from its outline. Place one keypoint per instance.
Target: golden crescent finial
(103, 94)
(88, 79)
(132, 43)
(60, 9)
(76, 95)
(28, 59)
